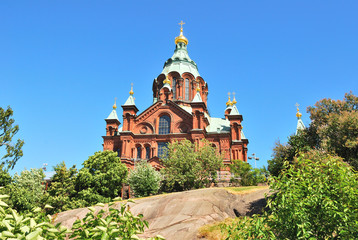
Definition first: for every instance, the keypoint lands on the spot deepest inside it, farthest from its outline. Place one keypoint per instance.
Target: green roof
(130, 101)
(180, 62)
(112, 115)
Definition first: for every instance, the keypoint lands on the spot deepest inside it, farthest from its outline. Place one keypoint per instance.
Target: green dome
(180, 62)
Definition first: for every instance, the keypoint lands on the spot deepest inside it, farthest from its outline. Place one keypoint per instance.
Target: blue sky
(62, 63)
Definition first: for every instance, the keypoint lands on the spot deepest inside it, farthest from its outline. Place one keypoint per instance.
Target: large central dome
(180, 61)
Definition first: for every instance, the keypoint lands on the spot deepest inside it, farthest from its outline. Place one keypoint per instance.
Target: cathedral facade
(178, 111)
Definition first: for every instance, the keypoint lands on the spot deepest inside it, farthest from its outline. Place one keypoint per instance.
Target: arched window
(161, 148)
(187, 89)
(174, 88)
(147, 152)
(139, 152)
(164, 124)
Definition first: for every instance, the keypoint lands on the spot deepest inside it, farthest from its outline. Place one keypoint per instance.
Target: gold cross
(233, 94)
(297, 105)
(181, 24)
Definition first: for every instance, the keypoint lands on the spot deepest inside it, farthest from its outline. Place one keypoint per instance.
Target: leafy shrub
(111, 224)
(104, 225)
(30, 226)
(315, 198)
(144, 179)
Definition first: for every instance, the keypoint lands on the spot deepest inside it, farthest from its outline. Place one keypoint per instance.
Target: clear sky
(62, 63)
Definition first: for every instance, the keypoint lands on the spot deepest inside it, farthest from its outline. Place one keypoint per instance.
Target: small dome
(181, 38)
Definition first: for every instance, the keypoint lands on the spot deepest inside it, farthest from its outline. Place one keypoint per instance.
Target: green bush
(144, 179)
(315, 198)
(105, 224)
(112, 224)
(30, 226)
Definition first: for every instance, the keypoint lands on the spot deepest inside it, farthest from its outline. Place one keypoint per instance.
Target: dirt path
(178, 216)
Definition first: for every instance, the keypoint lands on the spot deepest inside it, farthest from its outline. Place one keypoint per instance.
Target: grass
(233, 190)
(213, 231)
(244, 190)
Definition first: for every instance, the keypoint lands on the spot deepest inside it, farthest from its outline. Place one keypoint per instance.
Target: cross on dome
(181, 24)
(181, 37)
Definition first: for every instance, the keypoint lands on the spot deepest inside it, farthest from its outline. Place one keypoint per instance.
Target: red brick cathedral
(179, 111)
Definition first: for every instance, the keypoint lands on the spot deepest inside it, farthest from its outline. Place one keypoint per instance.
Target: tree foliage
(7, 132)
(144, 179)
(334, 128)
(335, 123)
(30, 226)
(5, 178)
(116, 223)
(108, 223)
(188, 166)
(27, 190)
(101, 178)
(315, 198)
(246, 175)
(62, 193)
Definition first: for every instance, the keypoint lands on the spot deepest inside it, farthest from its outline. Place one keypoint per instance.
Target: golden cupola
(181, 37)
(298, 114)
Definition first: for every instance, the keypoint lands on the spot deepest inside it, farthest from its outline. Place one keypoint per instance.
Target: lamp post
(44, 166)
(254, 158)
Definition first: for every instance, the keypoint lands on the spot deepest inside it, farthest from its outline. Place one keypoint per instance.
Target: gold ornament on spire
(181, 37)
(131, 91)
(115, 105)
(166, 80)
(229, 103)
(234, 100)
(298, 114)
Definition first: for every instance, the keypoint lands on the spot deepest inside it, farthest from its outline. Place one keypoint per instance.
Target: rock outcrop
(179, 215)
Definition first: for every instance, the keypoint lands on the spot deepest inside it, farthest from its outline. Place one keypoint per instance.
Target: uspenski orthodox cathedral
(179, 111)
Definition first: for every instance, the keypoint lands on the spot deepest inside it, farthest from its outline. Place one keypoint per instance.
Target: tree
(188, 166)
(101, 178)
(27, 190)
(210, 162)
(7, 132)
(315, 198)
(334, 128)
(62, 194)
(247, 175)
(287, 152)
(5, 178)
(144, 179)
